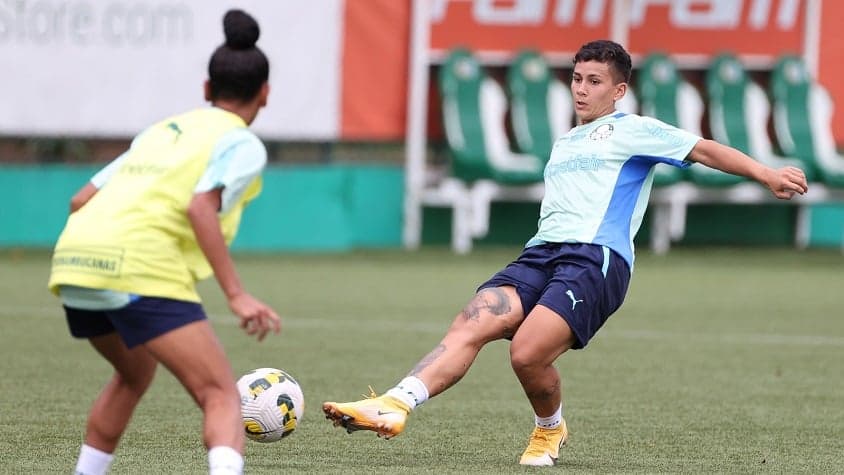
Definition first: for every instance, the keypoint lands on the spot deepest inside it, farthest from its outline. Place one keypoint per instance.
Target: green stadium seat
(802, 117)
(483, 168)
(474, 108)
(540, 104)
(725, 83)
(739, 112)
(664, 95)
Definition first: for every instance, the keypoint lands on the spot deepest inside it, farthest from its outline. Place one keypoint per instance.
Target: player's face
(594, 90)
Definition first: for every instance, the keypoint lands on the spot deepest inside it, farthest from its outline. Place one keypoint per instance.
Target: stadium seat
(802, 117)
(483, 167)
(739, 112)
(474, 107)
(725, 81)
(540, 104)
(664, 95)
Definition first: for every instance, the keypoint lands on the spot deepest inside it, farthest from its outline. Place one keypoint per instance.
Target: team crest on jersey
(601, 132)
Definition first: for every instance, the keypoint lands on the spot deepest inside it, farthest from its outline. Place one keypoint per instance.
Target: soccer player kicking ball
(573, 274)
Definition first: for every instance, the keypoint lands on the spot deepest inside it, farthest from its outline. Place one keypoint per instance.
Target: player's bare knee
(476, 333)
(136, 381)
(525, 359)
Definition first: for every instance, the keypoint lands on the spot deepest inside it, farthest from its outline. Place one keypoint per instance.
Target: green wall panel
(339, 207)
(36, 201)
(828, 225)
(301, 208)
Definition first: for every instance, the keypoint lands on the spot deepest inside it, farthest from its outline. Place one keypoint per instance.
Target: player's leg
(178, 335)
(588, 285)
(133, 372)
(196, 358)
(492, 314)
(111, 411)
(541, 339)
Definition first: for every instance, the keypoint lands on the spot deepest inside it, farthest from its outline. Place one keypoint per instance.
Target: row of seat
(486, 167)
(475, 108)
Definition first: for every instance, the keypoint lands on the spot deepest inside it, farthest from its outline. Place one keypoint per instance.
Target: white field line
(28, 311)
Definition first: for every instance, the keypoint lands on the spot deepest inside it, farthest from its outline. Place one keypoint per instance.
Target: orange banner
(758, 28)
(375, 62)
(504, 26)
(764, 28)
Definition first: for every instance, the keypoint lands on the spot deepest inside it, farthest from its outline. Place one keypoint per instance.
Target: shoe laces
(372, 394)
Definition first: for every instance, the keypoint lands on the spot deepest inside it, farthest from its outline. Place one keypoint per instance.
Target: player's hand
(256, 317)
(785, 182)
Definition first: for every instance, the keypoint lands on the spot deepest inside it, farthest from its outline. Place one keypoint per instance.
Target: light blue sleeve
(237, 159)
(105, 174)
(666, 143)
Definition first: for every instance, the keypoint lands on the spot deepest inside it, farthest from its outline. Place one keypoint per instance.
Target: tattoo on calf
(428, 359)
(543, 394)
(493, 299)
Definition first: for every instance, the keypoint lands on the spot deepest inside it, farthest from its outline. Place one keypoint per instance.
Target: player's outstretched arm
(783, 182)
(256, 317)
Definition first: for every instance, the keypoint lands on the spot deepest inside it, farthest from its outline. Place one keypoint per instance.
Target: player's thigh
(493, 313)
(542, 337)
(195, 356)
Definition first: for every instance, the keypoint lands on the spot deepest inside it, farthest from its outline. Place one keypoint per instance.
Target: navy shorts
(138, 322)
(584, 283)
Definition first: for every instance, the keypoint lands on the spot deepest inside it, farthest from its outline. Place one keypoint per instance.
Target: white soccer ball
(271, 403)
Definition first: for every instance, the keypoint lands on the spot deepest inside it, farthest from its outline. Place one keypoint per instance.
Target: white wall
(110, 67)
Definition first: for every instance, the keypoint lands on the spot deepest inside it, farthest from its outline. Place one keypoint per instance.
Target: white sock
(411, 391)
(93, 461)
(224, 460)
(552, 421)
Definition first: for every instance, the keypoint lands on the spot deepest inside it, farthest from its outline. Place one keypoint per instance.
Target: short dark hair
(238, 68)
(610, 52)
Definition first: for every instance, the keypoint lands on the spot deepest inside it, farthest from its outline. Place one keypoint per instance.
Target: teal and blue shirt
(599, 177)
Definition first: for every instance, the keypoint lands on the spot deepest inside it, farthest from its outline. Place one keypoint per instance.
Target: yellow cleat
(544, 446)
(384, 415)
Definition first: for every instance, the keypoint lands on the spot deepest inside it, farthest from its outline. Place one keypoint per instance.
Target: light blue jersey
(598, 180)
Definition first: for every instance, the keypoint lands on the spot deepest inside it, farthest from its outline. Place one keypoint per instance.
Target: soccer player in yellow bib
(148, 226)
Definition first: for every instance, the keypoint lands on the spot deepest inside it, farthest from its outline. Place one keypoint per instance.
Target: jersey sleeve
(237, 159)
(666, 143)
(105, 174)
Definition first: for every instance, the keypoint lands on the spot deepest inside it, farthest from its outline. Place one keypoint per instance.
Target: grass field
(720, 361)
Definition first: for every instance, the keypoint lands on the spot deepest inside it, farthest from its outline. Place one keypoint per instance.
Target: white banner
(108, 68)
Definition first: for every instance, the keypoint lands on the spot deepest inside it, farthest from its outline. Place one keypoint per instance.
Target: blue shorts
(138, 322)
(583, 283)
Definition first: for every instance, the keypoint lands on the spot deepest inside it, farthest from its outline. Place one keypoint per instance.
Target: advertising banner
(490, 27)
(110, 67)
(758, 30)
(761, 29)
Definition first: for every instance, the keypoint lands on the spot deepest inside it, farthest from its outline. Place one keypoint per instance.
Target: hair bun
(241, 29)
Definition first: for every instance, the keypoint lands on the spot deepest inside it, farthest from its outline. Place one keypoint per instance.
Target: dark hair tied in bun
(238, 68)
(241, 29)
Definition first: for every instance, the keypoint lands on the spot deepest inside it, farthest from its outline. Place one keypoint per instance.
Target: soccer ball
(271, 403)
